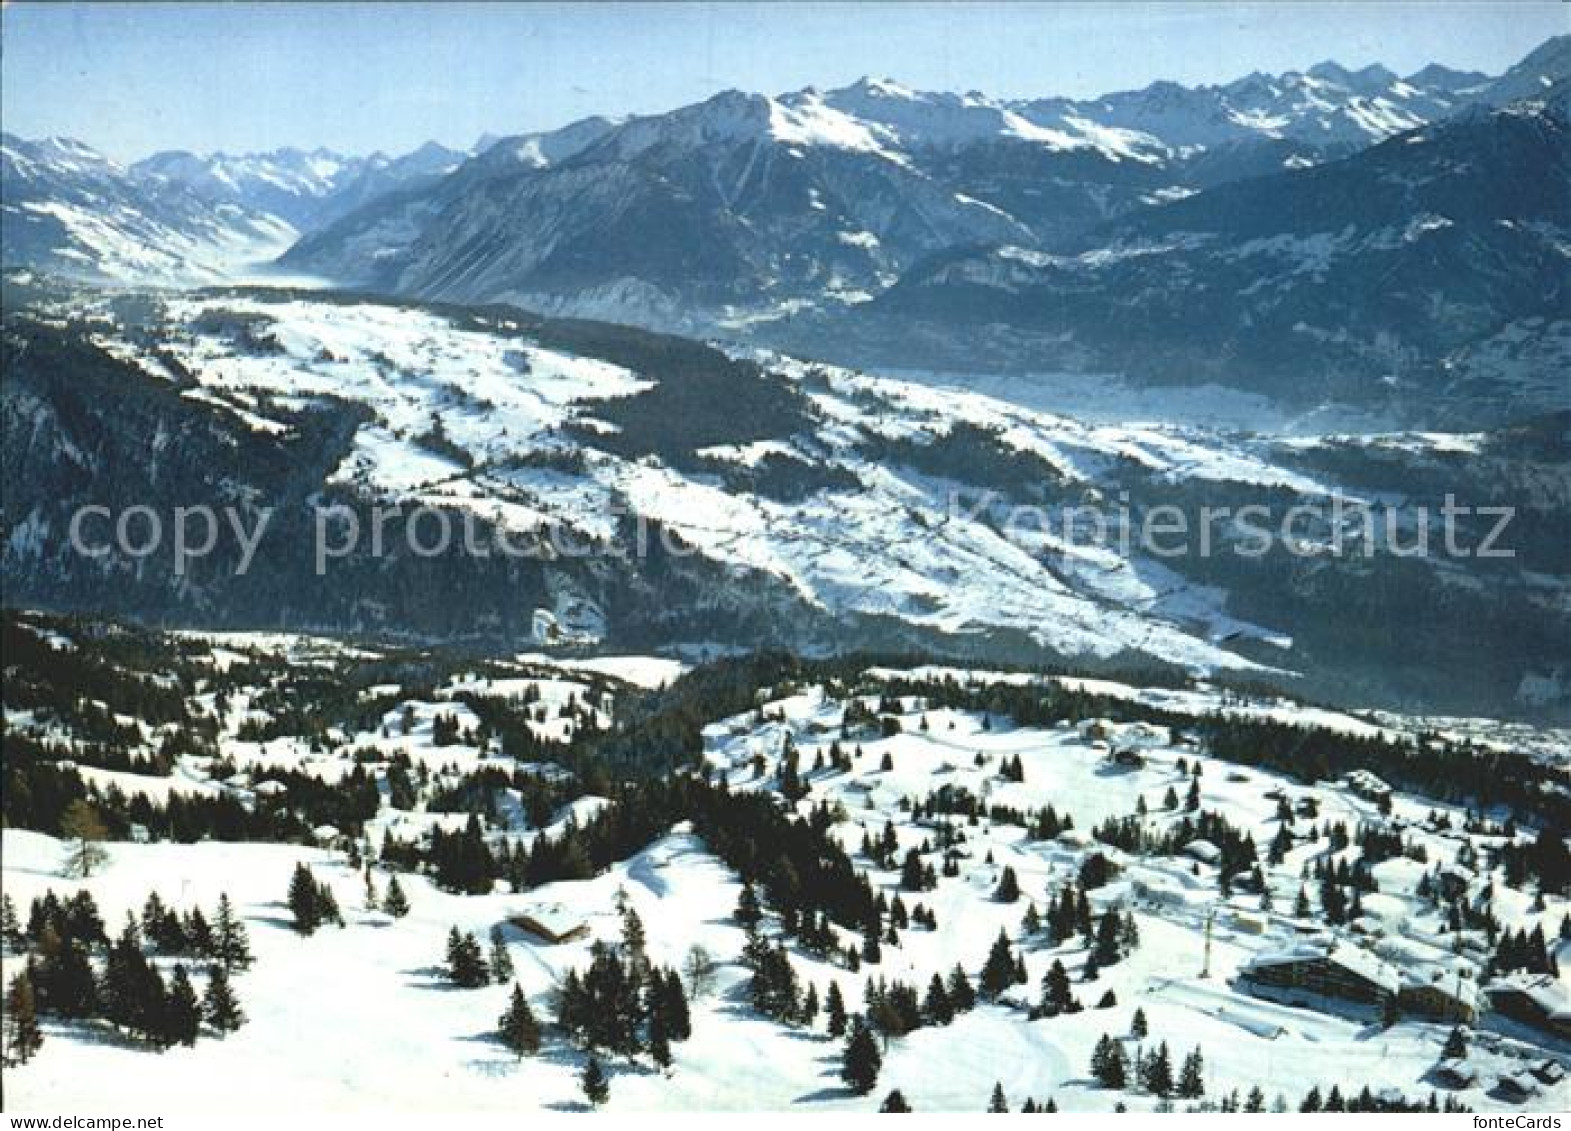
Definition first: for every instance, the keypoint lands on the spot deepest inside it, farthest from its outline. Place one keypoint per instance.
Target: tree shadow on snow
(823, 1095)
(431, 978)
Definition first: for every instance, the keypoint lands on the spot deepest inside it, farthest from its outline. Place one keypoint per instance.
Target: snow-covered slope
(892, 761)
(795, 502)
(69, 210)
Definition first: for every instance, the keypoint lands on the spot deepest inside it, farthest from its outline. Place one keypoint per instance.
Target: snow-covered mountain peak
(1365, 80)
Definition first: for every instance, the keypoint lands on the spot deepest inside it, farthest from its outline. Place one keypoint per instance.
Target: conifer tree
(466, 964)
(810, 1006)
(1191, 1079)
(501, 961)
(596, 1087)
(1159, 1072)
(1109, 1066)
(199, 935)
(10, 926)
(327, 906)
(23, 1037)
(675, 1013)
(872, 952)
(133, 991)
(961, 995)
(1137, 1026)
(153, 912)
(219, 1004)
(64, 982)
(182, 1013)
(937, 1009)
(861, 1061)
(394, 901)
(518, 1028)
(748, 912)
(1008, 889)
(1056, 995)
(998, 1105)
(894, 1103)
(304, 900)
(835, 1011)
(231, 945)
(998, 972)
(1456, 1045)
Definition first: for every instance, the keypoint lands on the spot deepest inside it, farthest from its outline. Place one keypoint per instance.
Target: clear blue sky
(134, 78)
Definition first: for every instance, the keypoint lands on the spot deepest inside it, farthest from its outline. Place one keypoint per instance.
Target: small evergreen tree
(1191, 1079)
(997, 1105)
(304, 900)
(894, 1103)
(961, 995)
(1456, 1045)
(596, 1087)
(1056, 995)
(466, 964)
(182, 1011)
(1109, 1066)
(1159, 1072)
(937, 1009)
(23, 1037)
(10, 926)
(748, 911)
(231, 945)
(394, 901)
(518, 1028)
(835, 1011)
(998, 972)
(861, 1061)
(501, 961)
(219, 1004)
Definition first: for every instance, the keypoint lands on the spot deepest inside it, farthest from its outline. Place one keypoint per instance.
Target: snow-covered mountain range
(69, 210)
(178, 218)
(305, 189)
(880, 223)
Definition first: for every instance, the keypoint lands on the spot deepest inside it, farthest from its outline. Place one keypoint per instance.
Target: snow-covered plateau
(962, 824)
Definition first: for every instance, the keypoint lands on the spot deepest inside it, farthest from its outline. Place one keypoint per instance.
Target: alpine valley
(808, 757)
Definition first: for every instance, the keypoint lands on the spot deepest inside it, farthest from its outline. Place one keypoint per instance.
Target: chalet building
(1301, 973)
(1127, 758)
(1517, 1088)
(1542, 1001)
(1549, 1072)
(552, 924)
(1248, 924)
(1096, 730)
(1367, 786)
(1441, 997)
(1455, 1074)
